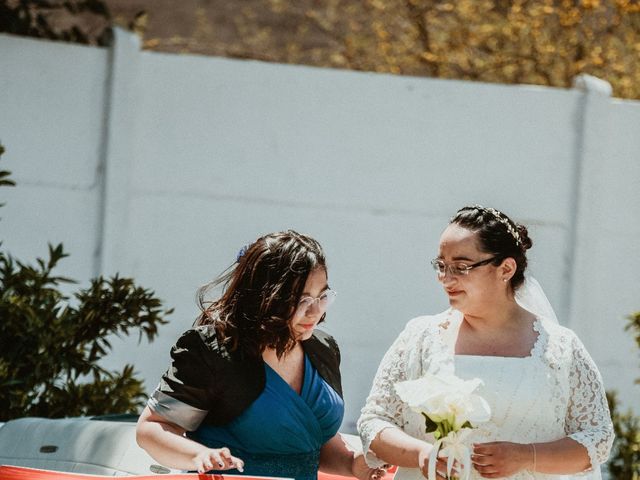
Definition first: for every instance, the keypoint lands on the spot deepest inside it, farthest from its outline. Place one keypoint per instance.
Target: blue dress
(281, 433)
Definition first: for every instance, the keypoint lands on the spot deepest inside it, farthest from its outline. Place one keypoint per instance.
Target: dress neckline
(303, 384)
(535, 351)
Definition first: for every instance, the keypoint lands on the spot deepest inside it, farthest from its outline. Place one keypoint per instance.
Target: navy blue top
(281, 432)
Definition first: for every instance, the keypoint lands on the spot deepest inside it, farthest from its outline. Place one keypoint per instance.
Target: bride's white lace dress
(555, 392)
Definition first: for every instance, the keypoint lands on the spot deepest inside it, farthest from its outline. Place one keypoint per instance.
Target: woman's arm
(338, 458)
(502, 459)
(335, 457)
(562, 456)
(398, 448)
(384, 410)
(588, 420)
(166, 443)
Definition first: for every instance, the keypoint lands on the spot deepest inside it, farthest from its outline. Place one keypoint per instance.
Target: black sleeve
(184, 395)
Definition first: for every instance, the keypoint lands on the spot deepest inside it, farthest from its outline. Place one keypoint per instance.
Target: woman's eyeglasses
(458, 268)
(324, 301)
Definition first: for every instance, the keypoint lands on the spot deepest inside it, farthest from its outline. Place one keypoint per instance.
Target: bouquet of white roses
(450, 410)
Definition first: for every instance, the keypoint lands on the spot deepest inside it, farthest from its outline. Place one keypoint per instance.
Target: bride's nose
(447, 278)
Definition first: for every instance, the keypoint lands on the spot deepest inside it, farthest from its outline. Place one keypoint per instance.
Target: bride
(549, 419)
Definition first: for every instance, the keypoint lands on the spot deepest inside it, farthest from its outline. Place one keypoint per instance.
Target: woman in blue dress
(253, 388)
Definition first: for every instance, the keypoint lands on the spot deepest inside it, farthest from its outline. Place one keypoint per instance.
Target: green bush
(624, 463)
(80, 21)
(51, 344)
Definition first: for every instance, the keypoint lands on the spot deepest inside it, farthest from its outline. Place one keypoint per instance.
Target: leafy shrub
(51, 344)
(624, 463)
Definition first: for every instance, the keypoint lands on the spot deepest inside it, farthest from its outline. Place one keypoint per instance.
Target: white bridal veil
(531, 297)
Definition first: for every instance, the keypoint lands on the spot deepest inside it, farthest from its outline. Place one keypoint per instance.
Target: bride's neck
(499, 316)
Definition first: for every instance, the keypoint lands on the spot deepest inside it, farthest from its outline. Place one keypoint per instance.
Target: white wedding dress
(555, 392)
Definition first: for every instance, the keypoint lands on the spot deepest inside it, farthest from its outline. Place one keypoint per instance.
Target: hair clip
(241, 253)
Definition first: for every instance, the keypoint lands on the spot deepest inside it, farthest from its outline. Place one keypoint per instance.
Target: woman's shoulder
(422, 331)
(322, 345)
(202, 339)
(562, 340)
(324, 339)
(425, 323)
(324, 354)
(558, 332)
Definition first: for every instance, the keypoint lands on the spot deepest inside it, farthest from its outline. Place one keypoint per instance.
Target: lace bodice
(555, 392)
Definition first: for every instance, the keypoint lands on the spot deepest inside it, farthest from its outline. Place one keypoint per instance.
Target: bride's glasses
(458, 268)
(324, 301)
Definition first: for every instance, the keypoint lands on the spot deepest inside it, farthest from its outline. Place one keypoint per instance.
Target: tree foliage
(545, 42)
(5, 181)
(51, 344)
(624, 463)
(79, 21)
(633, 325)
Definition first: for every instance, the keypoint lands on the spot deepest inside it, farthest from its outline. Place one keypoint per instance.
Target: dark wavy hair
(261, 291)
(498, 235)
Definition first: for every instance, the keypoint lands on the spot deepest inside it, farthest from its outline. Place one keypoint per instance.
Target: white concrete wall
(607, 263)
(52, 101)
(203, 155)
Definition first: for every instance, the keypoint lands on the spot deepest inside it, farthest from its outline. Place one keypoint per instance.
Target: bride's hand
(501, 459)
(441, 464)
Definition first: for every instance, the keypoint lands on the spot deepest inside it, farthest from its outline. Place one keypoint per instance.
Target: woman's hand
(501, 459)
(216, 459)
(441, 464)
(362, 471)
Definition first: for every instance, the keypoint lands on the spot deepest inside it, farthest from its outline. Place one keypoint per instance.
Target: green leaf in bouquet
(466, 424)
(429, 425)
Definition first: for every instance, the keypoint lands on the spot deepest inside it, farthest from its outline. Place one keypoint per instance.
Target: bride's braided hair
(497, 235)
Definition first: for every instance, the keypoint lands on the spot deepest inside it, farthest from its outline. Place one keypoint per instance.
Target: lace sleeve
(588, 420)
(383, 408)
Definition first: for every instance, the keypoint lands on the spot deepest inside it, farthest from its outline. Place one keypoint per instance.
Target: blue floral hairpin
(241, 252)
